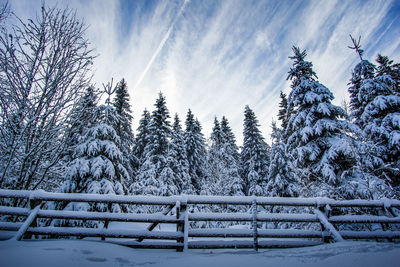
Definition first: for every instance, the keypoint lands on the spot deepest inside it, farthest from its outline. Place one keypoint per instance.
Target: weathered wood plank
(195, 199)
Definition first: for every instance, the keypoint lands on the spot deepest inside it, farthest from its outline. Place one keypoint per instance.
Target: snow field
(91, 253)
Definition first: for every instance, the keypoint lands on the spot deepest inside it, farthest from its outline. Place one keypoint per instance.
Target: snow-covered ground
(93, 253)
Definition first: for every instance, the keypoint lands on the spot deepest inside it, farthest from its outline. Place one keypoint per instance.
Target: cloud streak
(163, 41)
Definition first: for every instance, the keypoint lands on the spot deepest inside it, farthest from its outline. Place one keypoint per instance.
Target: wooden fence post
(186, 232)
(388, 211)
(178, 225)
(254, 224)
(106, 222)
(181, 226)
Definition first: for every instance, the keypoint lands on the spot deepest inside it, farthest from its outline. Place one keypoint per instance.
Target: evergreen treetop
(142, 137)
(160, 131)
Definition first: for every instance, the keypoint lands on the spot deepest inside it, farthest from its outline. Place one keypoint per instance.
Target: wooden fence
(184, 211)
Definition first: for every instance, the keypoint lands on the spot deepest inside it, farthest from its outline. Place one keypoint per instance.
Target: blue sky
(215, 57)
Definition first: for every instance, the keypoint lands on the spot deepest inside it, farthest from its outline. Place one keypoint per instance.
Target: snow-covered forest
(60, 133)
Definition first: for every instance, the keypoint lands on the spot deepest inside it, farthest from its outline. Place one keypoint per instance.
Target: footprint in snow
(53, 248)
(94, 259)
(122, 260)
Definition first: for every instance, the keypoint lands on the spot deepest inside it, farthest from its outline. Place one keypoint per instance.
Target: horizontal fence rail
(195, 199)
(200, 221)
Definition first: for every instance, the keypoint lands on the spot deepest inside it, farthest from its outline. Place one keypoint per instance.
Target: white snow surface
(93, 253)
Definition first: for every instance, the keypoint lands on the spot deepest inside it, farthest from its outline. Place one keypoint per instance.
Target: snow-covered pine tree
(141, 140)
(214, 184)
(178, 154)
(156, 176)
(195, 151)
(229, 137)
(231, 161)
(216, 135)
(98, 162)
(380, 121)
(160, 131)
(318, 143)
(282, 181)
(222, 172)
(254, 156)
(123, 125)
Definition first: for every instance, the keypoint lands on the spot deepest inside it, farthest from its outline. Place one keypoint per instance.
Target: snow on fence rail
(317, 211)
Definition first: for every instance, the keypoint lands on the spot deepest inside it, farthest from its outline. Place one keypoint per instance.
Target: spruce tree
(231, 161)
(378, 118)
(195, 151)
(223, 162)
(319, 142)
(123, 125)
(141, 140)
(178, 155)
(214, 184)
(160, 132)
(229, 137)
(216, 134)
(98, 162)
(223, 176)
(156, 176)
(282, 180)
(254, 156)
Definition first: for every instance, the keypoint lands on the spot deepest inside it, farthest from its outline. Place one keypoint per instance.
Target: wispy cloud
(217, 56)
(161, 45)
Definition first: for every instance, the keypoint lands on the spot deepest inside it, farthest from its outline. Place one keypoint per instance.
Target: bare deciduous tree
(44, 67)
(5, 12)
